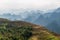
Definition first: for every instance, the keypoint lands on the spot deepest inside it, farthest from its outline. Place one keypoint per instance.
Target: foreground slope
(20, 30)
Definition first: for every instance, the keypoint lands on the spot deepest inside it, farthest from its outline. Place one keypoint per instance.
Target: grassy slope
(12, 28)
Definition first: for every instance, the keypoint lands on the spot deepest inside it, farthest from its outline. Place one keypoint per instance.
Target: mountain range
(50, 19)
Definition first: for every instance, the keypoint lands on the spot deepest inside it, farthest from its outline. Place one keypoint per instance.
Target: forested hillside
(20, 30)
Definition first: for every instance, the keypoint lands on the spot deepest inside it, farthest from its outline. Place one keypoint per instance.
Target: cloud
(17, 4)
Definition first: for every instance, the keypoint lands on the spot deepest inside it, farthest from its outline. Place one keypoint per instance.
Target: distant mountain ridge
(34, 16)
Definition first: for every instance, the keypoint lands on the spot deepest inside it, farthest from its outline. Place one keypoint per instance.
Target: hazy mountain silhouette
(54, 27)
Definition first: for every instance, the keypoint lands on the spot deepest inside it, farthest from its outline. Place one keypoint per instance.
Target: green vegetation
(12, 31)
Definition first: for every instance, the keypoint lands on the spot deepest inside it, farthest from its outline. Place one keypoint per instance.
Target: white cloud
(36, 4)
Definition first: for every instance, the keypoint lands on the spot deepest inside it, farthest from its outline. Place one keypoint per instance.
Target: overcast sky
(7, 5)
(35, 4)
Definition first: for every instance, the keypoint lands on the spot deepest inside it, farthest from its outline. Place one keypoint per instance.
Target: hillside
(20, 30)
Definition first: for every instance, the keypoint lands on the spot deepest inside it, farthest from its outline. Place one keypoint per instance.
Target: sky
(28, 4)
